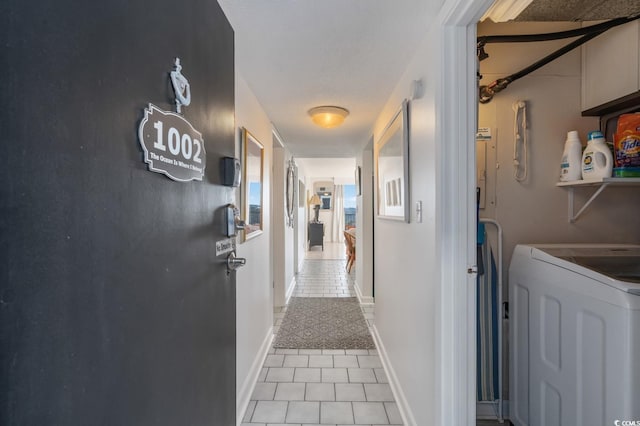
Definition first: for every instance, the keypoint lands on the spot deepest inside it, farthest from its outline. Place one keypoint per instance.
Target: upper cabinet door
(610, 65)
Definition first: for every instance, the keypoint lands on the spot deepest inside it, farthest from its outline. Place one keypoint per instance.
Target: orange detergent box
(626, 143)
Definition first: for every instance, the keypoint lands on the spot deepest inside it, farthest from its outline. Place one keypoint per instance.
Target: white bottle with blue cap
(597, 160)
(571, 165)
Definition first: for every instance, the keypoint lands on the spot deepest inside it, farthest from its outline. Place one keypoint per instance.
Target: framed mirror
(252, 182)
(324, 190)
(291, 189)
(392, 168)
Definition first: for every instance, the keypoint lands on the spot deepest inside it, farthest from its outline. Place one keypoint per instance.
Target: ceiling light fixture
(328, 116)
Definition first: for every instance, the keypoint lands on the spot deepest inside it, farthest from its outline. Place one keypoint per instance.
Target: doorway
(456, 132)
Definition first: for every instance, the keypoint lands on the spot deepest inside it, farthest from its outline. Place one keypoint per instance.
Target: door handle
(233, 262)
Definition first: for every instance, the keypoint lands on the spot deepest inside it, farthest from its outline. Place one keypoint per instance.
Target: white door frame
(276, 254)
(457, 118)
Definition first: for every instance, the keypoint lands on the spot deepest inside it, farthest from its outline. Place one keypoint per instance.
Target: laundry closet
(523, 129)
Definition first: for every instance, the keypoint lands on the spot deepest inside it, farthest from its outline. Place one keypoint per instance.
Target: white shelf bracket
(573, 217)
(601, 183)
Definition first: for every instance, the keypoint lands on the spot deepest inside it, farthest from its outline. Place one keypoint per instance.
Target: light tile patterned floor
(314, 387)
(322, 387)
(311, 387)
(324, 278)
(332, 251)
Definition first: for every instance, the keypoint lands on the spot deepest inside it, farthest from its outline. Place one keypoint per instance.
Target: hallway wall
(364, 229)
(301, 215)
(254, 314)
(282, 234)
(406, 269)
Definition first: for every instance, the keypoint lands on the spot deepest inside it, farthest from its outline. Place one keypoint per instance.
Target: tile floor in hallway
(324, 278)
(322, 387)
(331, 251)
(313, 387)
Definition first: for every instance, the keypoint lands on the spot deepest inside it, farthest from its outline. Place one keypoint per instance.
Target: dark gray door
(114, 309)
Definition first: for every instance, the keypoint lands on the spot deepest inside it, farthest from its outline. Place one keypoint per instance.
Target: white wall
(254, 307)
(301, 216)
(283, 235)
(364, 228)
(301, 221)
(406, 269)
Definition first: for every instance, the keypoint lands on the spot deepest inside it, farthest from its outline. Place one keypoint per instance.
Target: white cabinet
(611, 65)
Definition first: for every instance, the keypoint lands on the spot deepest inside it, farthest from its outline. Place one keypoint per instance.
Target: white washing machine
(574, 335)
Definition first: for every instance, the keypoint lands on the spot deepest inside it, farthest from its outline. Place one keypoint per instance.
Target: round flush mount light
(328, 116)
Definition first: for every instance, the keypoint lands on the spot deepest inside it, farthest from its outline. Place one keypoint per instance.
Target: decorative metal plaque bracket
(181, 87)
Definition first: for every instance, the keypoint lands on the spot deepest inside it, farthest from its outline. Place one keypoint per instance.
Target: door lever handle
(233, 262)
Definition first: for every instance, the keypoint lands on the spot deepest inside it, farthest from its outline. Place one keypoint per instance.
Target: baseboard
(398, 394)
(362, 299)
(292, 286)
(244, 396)
(488, 410)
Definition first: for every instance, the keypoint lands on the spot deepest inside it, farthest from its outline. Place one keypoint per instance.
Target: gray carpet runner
(324, 323)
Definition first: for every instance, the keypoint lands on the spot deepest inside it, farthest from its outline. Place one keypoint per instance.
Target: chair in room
(350, 243)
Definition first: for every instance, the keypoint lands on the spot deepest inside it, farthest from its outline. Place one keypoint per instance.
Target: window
(349, 206)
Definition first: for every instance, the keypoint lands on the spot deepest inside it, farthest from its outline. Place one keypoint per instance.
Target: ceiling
(297, 54)
(340, 169)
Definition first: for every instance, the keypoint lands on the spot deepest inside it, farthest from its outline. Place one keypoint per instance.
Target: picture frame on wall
(392, 168)
(252, 185)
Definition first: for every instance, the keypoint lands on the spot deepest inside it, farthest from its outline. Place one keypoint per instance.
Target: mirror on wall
(252, 199)
(290, 185)
(324, 191)
(392, 168)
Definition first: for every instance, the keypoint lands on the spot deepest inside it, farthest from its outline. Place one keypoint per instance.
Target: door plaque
(171, 145)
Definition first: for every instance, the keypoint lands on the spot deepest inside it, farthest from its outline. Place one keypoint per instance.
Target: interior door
(114, 308)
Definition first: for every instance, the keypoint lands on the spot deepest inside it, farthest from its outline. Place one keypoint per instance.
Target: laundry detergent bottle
(597, 160)
(570, 169)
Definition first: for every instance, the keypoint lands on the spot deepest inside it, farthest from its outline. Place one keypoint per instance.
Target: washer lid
(615, 265)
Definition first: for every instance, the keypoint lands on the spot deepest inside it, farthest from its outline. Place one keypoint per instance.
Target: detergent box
(626, 142)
